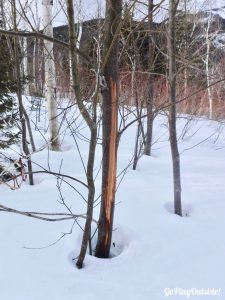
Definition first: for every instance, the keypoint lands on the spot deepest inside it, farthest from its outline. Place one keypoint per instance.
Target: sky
(89, 9)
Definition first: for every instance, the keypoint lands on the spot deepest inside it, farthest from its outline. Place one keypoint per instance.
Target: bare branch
(59, 175)
(51, 217)
(40, 35)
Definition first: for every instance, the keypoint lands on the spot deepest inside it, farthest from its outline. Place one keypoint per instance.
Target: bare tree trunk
(140, 135)
(25, 65)
(2, 15)
(172, 113)
(109, 126)
(91, 122)
(36, 67)
(50, 84)
(150, 114)
(26, 90)
(137, 146)
(91, 194)
(207, 68)
(185, 50)
(19, 95)
(79, 27)
(29, 131)
(4, 25)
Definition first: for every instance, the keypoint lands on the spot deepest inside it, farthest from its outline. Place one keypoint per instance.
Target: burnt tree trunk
(172, 113)
(149, 104)
(109, 126)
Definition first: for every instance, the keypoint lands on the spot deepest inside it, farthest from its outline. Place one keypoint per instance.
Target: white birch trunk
(25, 65)
(79, 30)
(50, 82)
(207, 68)
(79, 27)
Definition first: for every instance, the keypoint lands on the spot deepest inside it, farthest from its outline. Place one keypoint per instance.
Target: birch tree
(207, 64)
(50, 82)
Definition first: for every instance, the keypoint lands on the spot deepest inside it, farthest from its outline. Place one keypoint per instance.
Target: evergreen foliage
(9, 133)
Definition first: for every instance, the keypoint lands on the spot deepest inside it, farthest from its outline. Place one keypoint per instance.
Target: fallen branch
(40, 215)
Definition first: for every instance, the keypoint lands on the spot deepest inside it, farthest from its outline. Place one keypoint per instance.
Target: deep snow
(153, 249)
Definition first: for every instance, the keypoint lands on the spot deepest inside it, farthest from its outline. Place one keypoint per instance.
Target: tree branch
(44, 216)
(40, 35)
(59, 175)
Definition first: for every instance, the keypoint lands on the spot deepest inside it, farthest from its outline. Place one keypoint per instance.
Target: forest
(112, 145)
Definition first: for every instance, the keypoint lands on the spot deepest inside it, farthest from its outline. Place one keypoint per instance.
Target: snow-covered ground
(154, 252)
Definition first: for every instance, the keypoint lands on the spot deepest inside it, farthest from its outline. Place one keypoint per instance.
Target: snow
(84, 10)
(219, 40)
(152, 249)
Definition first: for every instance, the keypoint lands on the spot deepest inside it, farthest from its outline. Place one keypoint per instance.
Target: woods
(95, 79)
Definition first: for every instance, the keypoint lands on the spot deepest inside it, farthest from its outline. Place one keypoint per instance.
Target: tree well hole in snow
(186, 209)
(122, 244)
(121, 240)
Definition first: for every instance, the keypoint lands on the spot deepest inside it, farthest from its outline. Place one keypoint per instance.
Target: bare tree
(2, 21)
(109, 125)
(208, 40)
(22, 113)
(50, 84)
(149, 102)
(172, 110)
(91, 122)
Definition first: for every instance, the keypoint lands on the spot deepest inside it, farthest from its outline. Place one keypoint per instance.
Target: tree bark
(50, 84)
(140, 136)
(172, 112)
(2, 15)
(207, 67)
(109, 126)
(91, 122)
(25, 65)
(19, 95)
(150, 114)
